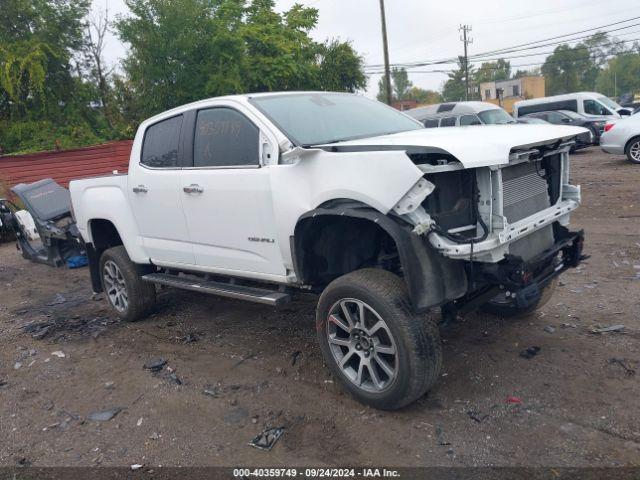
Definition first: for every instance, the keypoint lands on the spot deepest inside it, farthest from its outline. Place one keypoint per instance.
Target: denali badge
(262, 240)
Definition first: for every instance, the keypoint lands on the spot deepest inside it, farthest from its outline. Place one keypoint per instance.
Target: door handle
(140, 189)
(193, 188)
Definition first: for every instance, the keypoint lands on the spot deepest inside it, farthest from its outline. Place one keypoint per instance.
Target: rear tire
(510, 310)
(383, 354)
(129, 296)
(632, 150)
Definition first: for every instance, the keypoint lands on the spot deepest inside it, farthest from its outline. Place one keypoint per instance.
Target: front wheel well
(329, 246)
(629, 142)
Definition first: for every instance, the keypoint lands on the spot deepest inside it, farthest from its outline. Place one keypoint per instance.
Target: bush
(35, 136)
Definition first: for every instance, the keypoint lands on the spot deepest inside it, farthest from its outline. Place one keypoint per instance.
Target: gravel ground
(64, 356)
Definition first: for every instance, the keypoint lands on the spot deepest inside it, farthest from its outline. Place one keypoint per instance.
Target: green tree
(454, 88)
(493, 71)
(564, 68)
(38, 39)
(423, 96)
(621, 75)
(184, 50)
(43, 100)
(341, 68)
(400, 86)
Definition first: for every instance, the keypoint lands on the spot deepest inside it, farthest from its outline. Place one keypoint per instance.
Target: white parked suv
(257, 196)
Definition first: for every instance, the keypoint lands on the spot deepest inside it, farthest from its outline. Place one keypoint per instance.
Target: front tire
(382, 353)
(129, 296)
(632, 150)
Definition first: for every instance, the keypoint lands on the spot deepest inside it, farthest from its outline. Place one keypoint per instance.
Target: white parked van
(586, 103)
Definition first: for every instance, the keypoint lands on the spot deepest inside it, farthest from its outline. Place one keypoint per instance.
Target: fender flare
(431, 278)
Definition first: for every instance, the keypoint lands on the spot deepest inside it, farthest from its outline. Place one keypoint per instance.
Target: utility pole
(466, 40)
(385, 46)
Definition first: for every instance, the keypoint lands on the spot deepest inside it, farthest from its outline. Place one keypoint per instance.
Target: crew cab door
(226, 194)
(155, 195)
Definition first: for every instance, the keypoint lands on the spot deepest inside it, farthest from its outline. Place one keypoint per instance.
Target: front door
(155, 195)
(226, 196)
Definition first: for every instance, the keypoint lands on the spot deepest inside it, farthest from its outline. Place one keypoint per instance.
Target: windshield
(318, 118)
(495, 117)
(609, 103)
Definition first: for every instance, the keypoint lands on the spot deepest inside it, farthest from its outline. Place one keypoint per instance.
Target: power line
(604, 57)
(514, 47)
(482, 58)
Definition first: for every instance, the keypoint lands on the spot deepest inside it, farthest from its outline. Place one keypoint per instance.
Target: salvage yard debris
(267, 439)
(104, 415)
(530, 352)
(612, 328)
(628, 370)
(155, 365)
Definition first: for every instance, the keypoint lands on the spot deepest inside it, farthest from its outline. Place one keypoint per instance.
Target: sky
(420, 30)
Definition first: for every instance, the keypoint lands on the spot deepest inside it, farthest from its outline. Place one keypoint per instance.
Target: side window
(593, 107)
(225, 138)
(448, 122)
(470, 120)
(430, 123)
(160, 146)
(554, 117)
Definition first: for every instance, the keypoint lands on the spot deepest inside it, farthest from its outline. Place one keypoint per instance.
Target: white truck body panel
(241, 221)
(463, 143)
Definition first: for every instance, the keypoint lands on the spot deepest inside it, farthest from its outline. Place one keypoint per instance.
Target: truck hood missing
(474, 146)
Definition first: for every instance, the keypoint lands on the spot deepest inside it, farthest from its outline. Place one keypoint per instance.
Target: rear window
(160, 146)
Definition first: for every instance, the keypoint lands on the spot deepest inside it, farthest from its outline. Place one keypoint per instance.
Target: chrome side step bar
(252, 294)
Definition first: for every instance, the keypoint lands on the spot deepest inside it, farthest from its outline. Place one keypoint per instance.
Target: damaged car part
(45, 230)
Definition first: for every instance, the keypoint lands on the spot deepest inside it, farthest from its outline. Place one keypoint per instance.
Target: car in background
(531, 120)
(460, 114)
(584, 103)
(595, 125)
(623, 138)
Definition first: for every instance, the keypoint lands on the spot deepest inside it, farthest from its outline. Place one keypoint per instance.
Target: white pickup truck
(257, 196)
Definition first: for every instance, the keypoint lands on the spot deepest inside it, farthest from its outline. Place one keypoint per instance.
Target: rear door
(226, 194)
(154, 194)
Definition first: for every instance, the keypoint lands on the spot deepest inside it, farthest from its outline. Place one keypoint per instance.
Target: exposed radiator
(524, 191)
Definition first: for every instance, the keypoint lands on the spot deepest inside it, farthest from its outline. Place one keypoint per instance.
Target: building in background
(403, 105)
(505, 93)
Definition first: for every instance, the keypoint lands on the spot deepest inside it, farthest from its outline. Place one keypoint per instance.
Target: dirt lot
(580, 397)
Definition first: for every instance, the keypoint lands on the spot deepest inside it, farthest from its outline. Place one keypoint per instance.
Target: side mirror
(624, 112)
(566, 120)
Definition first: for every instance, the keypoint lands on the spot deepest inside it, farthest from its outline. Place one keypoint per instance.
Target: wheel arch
(630, 141)
(431, 278)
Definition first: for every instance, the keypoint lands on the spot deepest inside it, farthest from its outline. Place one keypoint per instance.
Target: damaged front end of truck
(506, 224)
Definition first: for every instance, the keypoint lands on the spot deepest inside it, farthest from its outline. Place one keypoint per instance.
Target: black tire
(418, 351)
(634, 142)
(141, 295)
(594, 133)
(510, 310)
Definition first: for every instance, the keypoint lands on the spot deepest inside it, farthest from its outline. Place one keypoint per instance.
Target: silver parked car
(623, 138)
(460, 114)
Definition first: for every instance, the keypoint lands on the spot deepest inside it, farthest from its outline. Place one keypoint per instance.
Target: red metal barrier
(65, 165)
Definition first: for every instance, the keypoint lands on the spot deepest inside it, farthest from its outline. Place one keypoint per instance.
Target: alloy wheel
(115, 286)
(362, 345)
(634, 151)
